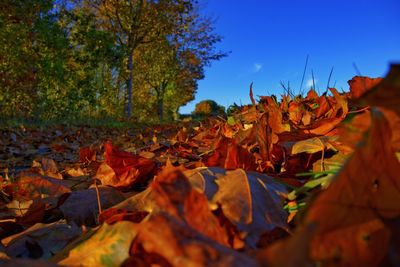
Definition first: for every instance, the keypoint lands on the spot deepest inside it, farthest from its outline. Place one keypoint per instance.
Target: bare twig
(359, 74)
(304, 73)
(8, 220)
(313, 80)
(359, 110)
(98, 195)
(329, 79)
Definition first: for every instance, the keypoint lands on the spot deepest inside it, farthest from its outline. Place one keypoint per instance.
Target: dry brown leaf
(360, 85)
(251, 201)
(386, 93)
(367, 188)
(167, 241)
(290, 252)
(174, 194)
(81, 206)
(45, 240)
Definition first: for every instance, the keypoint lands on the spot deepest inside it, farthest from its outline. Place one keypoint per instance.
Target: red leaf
(130, 168)
(230, 155)
(359, 85)
(114, 215)
(87, 154)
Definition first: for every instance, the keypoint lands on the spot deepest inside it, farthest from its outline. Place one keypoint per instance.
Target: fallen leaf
(50, 238)
(230, 155)
(360, 85)
(362, 244)
(129, 169)
(81, 206)
(313, 145)
(290, 252)
(367, 188)
(174, 194)
(32, 186)
(251, 201)
(341, 108)
(108, 246)
(323, 126)
(386, 93)
(75, 172)
(87, 154)
(168, 241)
(26, 263)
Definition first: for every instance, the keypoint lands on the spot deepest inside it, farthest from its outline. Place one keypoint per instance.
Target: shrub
(208, 108)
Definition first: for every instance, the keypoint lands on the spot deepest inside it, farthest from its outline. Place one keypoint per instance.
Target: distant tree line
(102, 58)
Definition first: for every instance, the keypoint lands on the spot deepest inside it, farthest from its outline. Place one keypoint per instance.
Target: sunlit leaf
(313, 145)
(108, 246)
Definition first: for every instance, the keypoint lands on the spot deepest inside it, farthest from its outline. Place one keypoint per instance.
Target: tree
(20, 37)
(56, 62)
(75, 58)
(93, 60)
(133, 23)
(155, 24)
(208, 107)
(171, 66)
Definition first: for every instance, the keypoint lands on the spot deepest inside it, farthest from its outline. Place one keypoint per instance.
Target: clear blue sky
(269, 41)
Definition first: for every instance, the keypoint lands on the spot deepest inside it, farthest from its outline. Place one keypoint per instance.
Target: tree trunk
(176, 114)
(160, 107)
(160, 91)
(128, 109)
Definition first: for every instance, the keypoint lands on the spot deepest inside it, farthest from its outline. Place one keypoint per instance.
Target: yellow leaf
(313, 145)
(109, 246)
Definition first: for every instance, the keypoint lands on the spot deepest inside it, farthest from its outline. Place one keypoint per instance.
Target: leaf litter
(302, 181)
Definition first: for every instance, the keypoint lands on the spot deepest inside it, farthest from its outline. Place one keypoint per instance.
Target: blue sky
(270, 40)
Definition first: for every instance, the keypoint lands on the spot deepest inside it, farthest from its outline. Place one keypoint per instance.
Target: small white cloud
(257, 67)
(309, 83)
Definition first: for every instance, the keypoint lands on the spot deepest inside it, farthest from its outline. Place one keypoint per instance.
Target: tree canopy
(81, 58)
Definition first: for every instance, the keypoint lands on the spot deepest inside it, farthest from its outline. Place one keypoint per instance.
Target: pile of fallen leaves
(303, 181)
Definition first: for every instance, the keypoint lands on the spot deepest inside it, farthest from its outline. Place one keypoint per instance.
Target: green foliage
(69, 60)
(208, 108)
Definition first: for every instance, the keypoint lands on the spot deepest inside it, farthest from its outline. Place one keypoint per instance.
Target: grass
(94, 122)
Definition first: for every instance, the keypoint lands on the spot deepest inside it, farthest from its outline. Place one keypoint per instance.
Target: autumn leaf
(290, 252)
(107, 246)
(188, 204)
(295, 112)
(360, 85)
(87, 154)
(47, 167)
(165, 240)
(228, 154)
(312, 95)
(392, 257)
(26, 263)
(250, 201)
(82, 207)
(341, 108)
(386, 93)
(30, 186)
(129, 169)
(351, 218)
(48, 239)
(365, 190)
(322, 106)
(313, 145)
(323, 126)
(362, 244)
